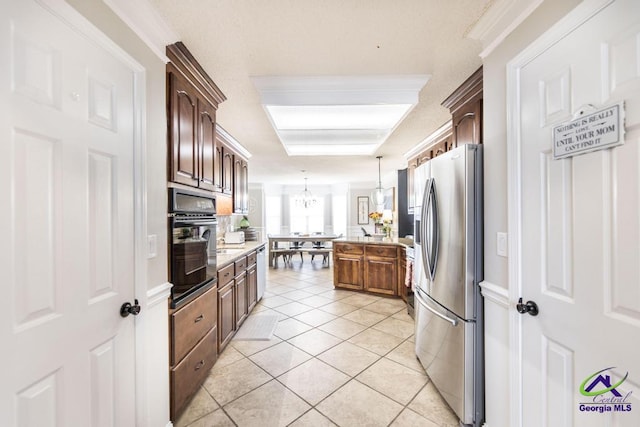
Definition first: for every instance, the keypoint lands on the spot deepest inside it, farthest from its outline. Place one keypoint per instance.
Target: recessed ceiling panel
(337, 116)
(332, 137)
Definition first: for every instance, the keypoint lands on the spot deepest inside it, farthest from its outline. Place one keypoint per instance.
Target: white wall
(495, 286)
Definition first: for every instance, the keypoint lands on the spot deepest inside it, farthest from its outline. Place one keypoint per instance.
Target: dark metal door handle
(127, 309)
(530, 307)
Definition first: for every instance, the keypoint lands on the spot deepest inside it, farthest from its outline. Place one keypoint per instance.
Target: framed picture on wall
(363, 210)
(389, 198)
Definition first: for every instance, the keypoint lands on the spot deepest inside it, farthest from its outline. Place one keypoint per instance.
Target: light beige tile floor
(337, 358)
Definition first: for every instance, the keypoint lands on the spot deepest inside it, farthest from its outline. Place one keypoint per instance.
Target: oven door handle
(179, 222)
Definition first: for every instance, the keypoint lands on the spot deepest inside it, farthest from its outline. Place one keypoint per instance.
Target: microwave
(234, 237)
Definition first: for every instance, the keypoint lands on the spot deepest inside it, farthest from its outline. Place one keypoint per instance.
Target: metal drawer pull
(199, 318)
(199, 365)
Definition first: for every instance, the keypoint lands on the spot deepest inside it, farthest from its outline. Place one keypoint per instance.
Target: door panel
(580, 237)
(67, 108)
(207, 138)
(184, 156)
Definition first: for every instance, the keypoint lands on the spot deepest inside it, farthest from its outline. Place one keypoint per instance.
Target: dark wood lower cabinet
(347, 271)
(369, 267)
(381, 275)
(402, 272)
(241, 299)
(252, 287)
(187, 376)
(201, 328)
(226, 314)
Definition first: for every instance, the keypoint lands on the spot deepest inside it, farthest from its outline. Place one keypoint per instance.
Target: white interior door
(67, 222)
(580, 222)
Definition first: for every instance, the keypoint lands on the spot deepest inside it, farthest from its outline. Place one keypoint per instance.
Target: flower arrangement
(375, 216)
(386, 227)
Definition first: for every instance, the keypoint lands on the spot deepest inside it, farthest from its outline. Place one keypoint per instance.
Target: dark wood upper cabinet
(193, 99)
(183, 106)
(207, 145)
(465, 104)
(240, 185)
(227, 170)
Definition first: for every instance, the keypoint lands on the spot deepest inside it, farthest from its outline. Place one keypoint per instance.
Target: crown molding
(232, 142)
(436, 135)
(146, 22)
(499, 21)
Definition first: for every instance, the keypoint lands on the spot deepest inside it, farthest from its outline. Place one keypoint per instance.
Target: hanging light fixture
(306, 200)
(378, 194)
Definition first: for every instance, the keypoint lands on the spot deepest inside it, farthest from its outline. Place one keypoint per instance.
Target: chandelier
(306, 200)
(378, 193)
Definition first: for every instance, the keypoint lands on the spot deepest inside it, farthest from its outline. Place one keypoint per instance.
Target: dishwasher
(262, 271)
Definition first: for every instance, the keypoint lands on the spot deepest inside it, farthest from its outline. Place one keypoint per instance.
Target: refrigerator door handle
(453, 322)
(431, 234)
(436, 226)
(424, 225)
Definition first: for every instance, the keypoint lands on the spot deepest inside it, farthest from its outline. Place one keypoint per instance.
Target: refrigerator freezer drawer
(444, 346)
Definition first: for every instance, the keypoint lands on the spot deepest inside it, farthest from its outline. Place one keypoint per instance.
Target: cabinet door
(252, 287)
(467, 124)
(245, 187)
(226, 315)
(207, 145)
(411, 172)
(238, 186)
(381, 275)
(183, 133)
(227, 170)
(402, 272)
(218, 167)
(241, 299)
(347, 271)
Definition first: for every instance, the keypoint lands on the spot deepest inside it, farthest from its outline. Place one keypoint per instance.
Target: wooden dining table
(274, 240)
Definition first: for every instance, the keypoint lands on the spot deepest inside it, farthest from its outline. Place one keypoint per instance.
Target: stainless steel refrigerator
(448, 269)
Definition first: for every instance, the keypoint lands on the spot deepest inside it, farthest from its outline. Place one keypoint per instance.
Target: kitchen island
(371, 265)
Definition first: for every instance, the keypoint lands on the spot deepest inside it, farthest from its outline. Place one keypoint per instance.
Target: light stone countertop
(399, 241)
(235, 252)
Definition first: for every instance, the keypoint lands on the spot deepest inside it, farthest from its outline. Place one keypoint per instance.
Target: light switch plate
(501, 244)
(152, 246)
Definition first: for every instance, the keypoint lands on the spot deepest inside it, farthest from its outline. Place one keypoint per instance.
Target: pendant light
(378, 194)
(306, 200)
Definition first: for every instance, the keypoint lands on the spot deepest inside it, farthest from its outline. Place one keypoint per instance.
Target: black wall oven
(192, 243)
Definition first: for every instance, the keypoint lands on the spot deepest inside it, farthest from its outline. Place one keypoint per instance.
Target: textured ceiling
(236, 39)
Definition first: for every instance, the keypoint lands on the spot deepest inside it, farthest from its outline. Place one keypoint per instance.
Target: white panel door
(580, 240)
(66, 164)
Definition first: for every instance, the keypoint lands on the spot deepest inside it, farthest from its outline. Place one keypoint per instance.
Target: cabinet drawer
(187, 377)
(191, 323)
(252, 258)
(381, 251)
(241, 265)
(225, 275)
(346, 248)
